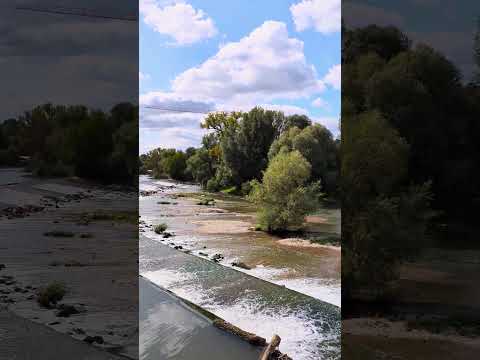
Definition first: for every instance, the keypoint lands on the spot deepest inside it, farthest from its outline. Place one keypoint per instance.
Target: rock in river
(241, 265)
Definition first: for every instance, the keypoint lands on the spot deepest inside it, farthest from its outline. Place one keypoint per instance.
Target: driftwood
(270, 348)
(251, 338)
(272, 353)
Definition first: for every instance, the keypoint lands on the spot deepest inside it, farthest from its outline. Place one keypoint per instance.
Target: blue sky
(232, 55)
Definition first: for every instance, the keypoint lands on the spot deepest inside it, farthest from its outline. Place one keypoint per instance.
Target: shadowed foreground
(170, 329)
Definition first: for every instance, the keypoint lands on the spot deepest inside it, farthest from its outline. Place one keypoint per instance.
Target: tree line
(58, 140)
(410, 152)
(283, 163)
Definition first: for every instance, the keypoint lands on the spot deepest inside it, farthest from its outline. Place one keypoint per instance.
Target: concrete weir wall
(173, 328)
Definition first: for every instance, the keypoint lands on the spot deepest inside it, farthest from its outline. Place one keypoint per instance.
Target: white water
(321, 289)
(300, 335)
(245, 314)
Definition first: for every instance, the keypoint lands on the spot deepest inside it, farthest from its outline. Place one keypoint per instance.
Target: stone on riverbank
(241, 265)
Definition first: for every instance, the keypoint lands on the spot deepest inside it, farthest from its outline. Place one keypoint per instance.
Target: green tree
(245, 146)
(384, 220)
(284, 197)
(284, 123)
(200, 165)
(175, 164)
(317, 145)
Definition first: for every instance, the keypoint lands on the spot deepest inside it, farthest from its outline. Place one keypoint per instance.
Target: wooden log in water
(270, 348)
(251, 338)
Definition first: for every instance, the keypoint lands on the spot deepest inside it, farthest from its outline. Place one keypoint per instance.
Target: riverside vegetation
(284, 164)
(410, 155)
(74, 141)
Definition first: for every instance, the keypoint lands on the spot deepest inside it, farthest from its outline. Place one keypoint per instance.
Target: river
(302, 311)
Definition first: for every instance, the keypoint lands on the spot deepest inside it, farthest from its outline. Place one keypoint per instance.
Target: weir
(171, 329)
(309, 328)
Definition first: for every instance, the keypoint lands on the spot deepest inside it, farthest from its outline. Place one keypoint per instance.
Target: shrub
(246, 188)
(232, 190)
(284, 198)
(50, 295)
(160, 228)
(206, 201)
(212, 185)
(59, 233)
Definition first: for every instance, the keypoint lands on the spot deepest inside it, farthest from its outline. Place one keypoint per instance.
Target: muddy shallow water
(309, 327)
(226, 228)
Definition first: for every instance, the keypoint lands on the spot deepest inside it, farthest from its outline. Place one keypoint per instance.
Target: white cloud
(167, 124)
(177, 137)
(175, 102)
(179, 20)
(332, 123)
(143, 76)
(258, 70)
(266, 64)
(286, 109)
(322, 15)
(334, 77)
(319, 103)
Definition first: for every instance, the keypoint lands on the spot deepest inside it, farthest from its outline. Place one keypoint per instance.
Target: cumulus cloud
(43, 55)
(286, 109)
(167, 123)
(322, 15)
(261, 68)
(173, 102)
(171, 137)
(265, 64)
(319, 103)
(154, 119)
(180, 21)
(334, 77)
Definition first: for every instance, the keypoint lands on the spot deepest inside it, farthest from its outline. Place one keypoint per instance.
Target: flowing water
(309, 327)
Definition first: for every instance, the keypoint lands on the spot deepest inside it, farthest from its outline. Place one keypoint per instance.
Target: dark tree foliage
(236, 149)
(284, 123)
(168, 163)
(316, 144)
(409, 144)
(245, 146)
(384, 41)
(74, 140)
(421, 94)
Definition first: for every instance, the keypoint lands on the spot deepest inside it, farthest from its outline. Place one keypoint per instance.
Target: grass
(59, 233)
(230, 191)
(130, 217)
(51, 294)
(463, 326)
(160, 228)
(206, 201)
(325, 240)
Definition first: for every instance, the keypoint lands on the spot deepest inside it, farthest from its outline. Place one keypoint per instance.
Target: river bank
(25, 339)
(309, 328)
(432, 314)
(195, 259)
(226, 228)
(83, 236)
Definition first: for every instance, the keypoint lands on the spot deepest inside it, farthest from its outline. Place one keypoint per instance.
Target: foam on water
(317, 288)
(248, 314)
